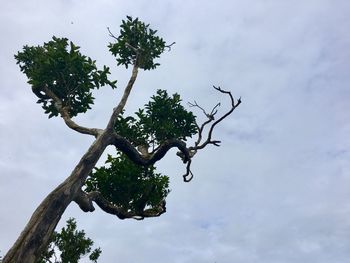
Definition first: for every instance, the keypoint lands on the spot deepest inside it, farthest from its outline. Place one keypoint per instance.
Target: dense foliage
(131, 186)
(162, 118)
(62, 69)
(138, 44)
(127, 185)
(71, 244)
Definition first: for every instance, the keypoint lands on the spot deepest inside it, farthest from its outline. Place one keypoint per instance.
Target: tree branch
(188, 176)
(210, 116)
(111, 34)
(127, 148)
(117, 110)
(84, 200)
(169, 46)
(65, 115)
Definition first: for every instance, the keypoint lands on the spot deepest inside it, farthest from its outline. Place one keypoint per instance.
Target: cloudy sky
(276, 191)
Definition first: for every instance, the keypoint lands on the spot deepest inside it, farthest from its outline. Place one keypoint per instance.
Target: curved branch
(233, 107)
(126, 147)
(65, 115)
(169, 46)
(188, 176)
(84, 200)
(111, 34)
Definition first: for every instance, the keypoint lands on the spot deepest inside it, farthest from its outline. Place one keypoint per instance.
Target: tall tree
(128, 186)
(69, 246)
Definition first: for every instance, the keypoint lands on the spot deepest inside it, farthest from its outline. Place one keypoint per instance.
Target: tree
(128, 186)
(72, 244)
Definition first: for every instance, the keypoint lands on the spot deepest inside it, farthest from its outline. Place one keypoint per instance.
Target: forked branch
(211, 119)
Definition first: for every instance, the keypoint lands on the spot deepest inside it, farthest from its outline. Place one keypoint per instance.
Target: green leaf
(67, 73)
(137, 34)
(127, 184)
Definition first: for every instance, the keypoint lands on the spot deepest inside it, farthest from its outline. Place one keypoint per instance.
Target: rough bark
(35, 237)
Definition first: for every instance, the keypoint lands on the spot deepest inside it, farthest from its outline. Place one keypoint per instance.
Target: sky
(278, 188)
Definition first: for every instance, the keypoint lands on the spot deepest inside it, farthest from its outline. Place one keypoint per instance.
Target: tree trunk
(36, 235)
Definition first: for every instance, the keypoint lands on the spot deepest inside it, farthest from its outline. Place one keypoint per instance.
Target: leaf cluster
(72, 243)
(128, 185)
(60, 67)
(162, 118)
(137, 44)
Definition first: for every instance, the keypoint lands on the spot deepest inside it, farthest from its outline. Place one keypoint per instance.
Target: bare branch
(169, 46)
(65, 115)
(209, 140)
(214, 110)
(195, 104)
(210, 116)
(233, 107)
(188, 176)
(117, 110)
(111, 34)
(200, 131)
(127, 148)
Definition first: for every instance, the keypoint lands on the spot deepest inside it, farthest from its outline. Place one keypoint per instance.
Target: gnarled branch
(84, 200)
(198, 145)
(123, 145)
(65, 115)
(188, 176)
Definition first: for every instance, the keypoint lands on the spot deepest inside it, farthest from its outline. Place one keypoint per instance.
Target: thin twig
(197, 147)
(169, 46)
(111, 34)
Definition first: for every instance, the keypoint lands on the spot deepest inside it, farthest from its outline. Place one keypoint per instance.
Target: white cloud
(277, 190)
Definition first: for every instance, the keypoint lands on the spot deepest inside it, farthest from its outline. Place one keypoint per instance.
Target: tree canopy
(128, 185)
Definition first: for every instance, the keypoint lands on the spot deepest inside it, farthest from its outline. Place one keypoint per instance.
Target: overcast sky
(276, 191)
